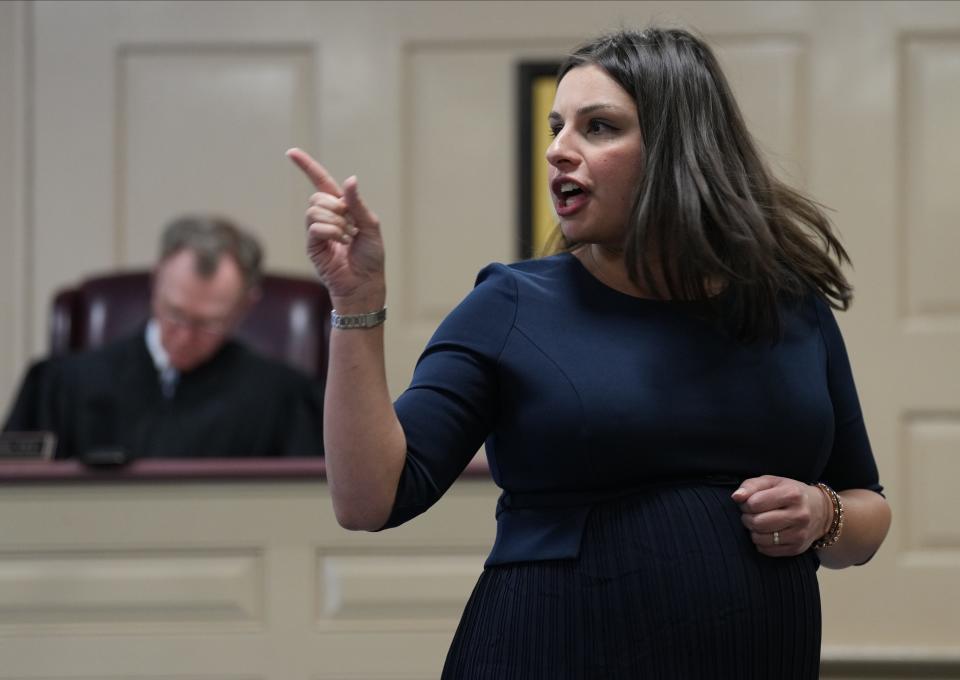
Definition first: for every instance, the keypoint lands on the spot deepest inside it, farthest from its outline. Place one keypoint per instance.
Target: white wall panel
(114, 589)
(930, 127)
(768, 75)
(14, 238)
(394, 591)
(931, 465)
(203, 128)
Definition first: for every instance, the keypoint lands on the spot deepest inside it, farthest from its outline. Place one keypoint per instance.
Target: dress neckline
(581, 269)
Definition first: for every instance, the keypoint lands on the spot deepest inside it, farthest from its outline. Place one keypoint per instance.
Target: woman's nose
(562, 152)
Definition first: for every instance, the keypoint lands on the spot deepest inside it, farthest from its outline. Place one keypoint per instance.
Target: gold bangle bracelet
(836, 526)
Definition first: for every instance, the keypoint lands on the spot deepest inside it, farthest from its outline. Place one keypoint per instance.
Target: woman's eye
(595, 126)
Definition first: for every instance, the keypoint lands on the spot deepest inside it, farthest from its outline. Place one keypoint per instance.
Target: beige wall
(858, 102)
(14, 141)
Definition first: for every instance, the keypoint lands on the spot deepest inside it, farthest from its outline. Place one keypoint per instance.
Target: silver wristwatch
(368, 320)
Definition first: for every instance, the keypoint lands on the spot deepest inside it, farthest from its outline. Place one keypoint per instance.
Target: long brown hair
(708, 207)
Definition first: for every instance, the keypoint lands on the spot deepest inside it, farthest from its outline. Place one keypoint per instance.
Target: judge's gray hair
(210, 238)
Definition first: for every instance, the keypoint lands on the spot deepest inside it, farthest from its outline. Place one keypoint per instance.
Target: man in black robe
(180, 386)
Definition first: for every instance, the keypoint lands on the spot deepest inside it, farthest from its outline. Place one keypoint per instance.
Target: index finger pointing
(317, 174)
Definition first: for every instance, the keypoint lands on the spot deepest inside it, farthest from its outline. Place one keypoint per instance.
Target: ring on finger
(776, 538)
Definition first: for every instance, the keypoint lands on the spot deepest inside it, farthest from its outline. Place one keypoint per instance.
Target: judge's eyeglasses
(177, 317)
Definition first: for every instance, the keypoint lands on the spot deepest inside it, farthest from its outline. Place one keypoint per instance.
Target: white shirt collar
(159, 355)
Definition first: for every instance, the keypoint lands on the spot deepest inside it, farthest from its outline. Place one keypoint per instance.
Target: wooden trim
(184, 470)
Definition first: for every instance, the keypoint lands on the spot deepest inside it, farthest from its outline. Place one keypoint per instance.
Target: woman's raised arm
(363, 440)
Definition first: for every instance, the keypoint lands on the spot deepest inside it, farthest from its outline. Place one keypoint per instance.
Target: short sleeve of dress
(452, 402)
(851, 464)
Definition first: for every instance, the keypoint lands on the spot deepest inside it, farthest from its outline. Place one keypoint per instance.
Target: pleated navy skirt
(667, 585)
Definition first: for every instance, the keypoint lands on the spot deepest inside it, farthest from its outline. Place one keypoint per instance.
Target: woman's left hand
(784, 516)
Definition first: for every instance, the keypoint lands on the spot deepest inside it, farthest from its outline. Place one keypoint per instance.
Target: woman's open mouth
(569, 196)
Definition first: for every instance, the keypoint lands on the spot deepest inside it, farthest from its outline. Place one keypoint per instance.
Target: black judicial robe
(237, 404)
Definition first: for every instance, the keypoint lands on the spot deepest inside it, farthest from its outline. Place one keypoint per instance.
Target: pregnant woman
(666, 400)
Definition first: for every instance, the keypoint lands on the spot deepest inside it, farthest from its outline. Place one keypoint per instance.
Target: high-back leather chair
(290, 322)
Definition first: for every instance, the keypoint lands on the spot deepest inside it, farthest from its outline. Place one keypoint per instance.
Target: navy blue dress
(617, 428)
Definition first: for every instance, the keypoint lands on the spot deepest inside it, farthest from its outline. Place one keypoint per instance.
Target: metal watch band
(368, 320)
